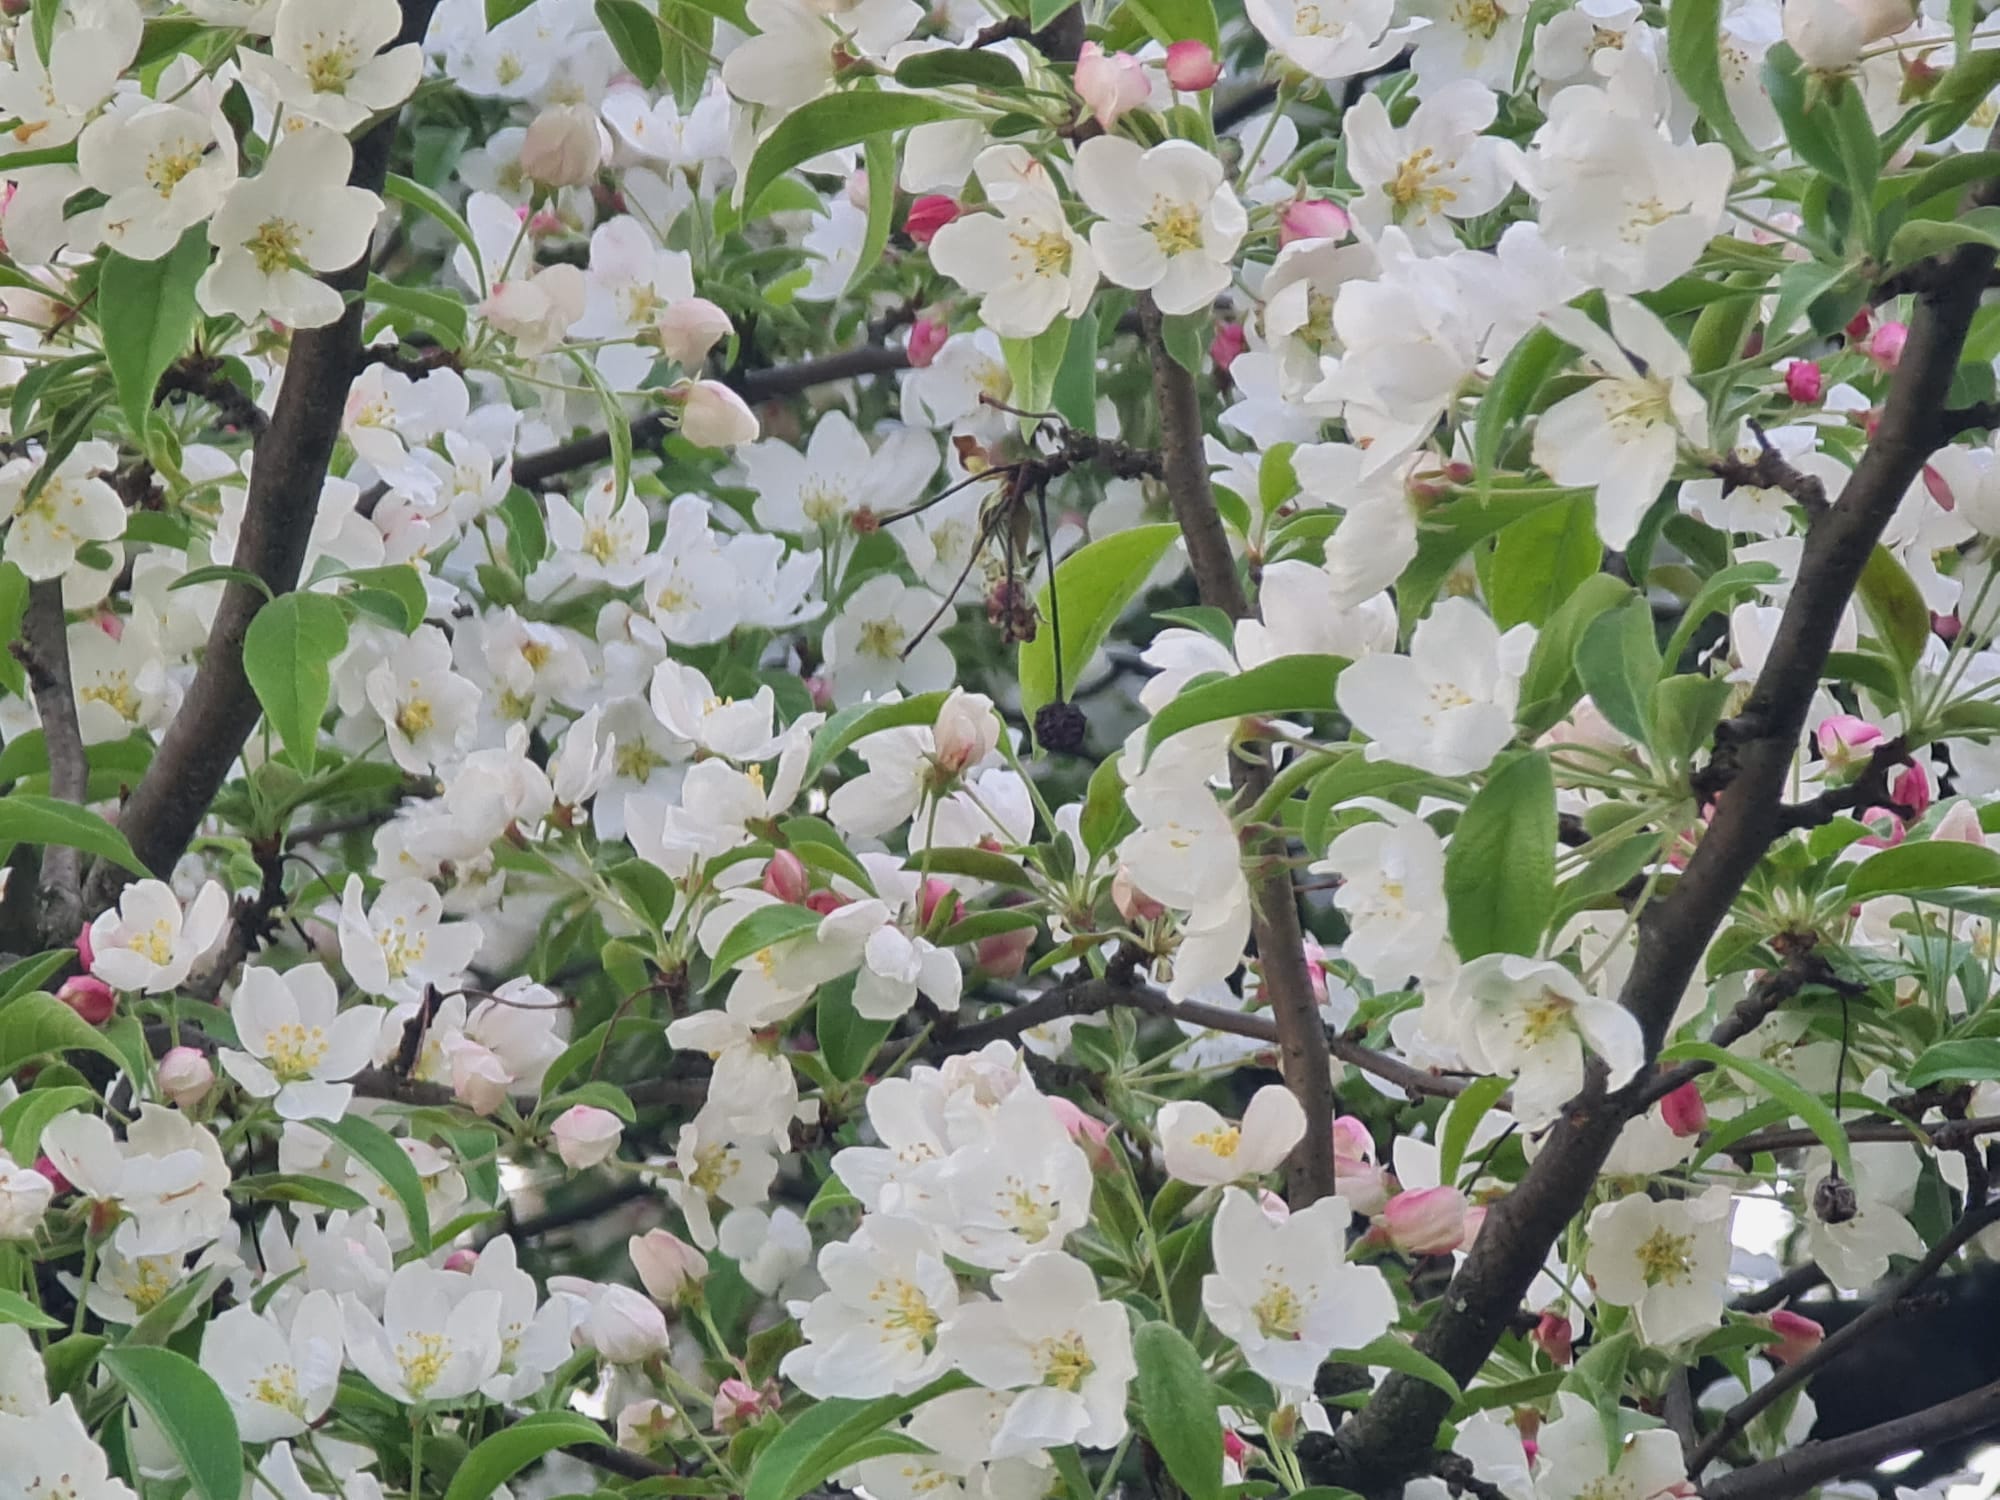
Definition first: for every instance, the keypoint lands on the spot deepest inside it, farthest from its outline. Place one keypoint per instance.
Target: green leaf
(1962, 90)
(13, 609)
(835, 120)
(1685, 711)
(42, 21)
(1541, 560)
(221, 573)
(814, 1444)
(1289, 684)
(943, 66)
(615, 425)
(847, 1040)
(1170, 21)
(1694, 54)
(1968, 1060)
(1461, 1120)
(441, 316)
(403, 583)
(1617, 661)
(147, 316)
(1509, 395)
(290, 1187)
(1901, 619)
(856, 723)
(1936, 865)
(1177, 1403)
(22, 1122)
(1105, 815)
(1806, 115)
(687, 37)
(1033, 365)
(975, 863)
(1719, 592)
(288, 652)
(1500, 868)
(1074, 396)
(507, 1452)
(1922, 238)
(1093, 586)
(1809, 1107)
(14, 1308)
(502, 10)
(878, 158)
(1392, 1353)
(421, 198)
(763, 928)
(27, 819)
(379, 1151)
(635, 33)
(1447, 533)
(190, 1411)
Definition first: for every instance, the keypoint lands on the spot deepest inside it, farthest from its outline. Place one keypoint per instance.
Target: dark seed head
(1060, 728)
(1833, 1201)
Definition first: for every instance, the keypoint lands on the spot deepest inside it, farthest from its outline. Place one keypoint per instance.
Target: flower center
(1223, 1142)
(1413, 185)
(908, 1314)
(1666, 1258)
(295, 1050)
(883, 638)
(1175, 227)
(423, 1357)
(1544, 1017)
(274, 246)
(1047, 252)
(1279, 1312)
(1065, 1362)
(415, 717)
(330, 67)
(279, 1387)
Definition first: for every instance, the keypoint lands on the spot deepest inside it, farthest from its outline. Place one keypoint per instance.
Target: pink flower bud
(667, 1264)
(462, 1259)
(688, 329)
(1844, 740)
(1804, 383)
(1230, 340)
(1885, 345)
(1553, 1337)
(84, 951)
(1911, 792)
(1684, 1112)
(1801, 1336)
(1133, 904)
(562, 147)
(1961, 825)
(56, 1179)
(89, 997)
(714, 416)
(927, 337)
(1004, 954)
(737, 1404)
(586, 1135)
(1353, 1139)
(786, 880)
(935, 893)
(1110, 84)
(1085, 1129)
(928, 215)
(825, 902)
(1429, 1221)
(1313, 219)
(185, 1076)
(1946, 627)
(1234, 1449)
(1192, 66)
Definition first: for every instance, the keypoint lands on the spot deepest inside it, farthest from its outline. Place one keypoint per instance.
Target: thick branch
(1302, 1048)
(1770, 470)
(44, 652)
(1796, 1472)
(532, 469)
(1391, 1437)
(220, 710)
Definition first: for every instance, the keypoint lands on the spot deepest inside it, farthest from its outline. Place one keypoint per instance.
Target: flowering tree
(1099, 748)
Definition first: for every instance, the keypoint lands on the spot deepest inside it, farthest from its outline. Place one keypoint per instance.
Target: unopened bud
(1192, 66)
(562, 147)
(667, 1264)
(1885, 345)
(927, 337)
(1111, 84)
(1804, 383)
(825, 902)
(1553, 1336)
(785, 878)
(1684, 1112)
(933, 895)
(688, 329)
(714, 416)
(89, 997)
(1800, 1335)
(586, 1135)
(738, 1404)
(1428, 1221)
(1313, 219)
(185, 1077)
(1005, 954)
(1230, 340)
(1133, 904)
(928, 215)
(462, 1259)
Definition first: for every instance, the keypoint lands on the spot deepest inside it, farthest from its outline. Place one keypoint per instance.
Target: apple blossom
(586, 1136)
(1109, 84)
(1027, 264)
(1170, 223)
(1204, 1149)
(669, 1266)
(1663, 1259)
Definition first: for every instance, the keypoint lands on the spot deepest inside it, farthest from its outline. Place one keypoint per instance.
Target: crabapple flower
(401, 943)
(1025, 261)
(1667, 1260)
(1171, 225)
(1855, 1251)
(1330, 39)
(168, 1174)
(297, 1048)
(73, 508)
(326, 62)
(1572, 1462)
(1426, 1221)
(1392, 894)
(668, 1265)
(1283, 1291)
(279, 231)
(1111, 84)
(51, 1453)
(1621, 433)
(1204, 1149)
(184, 1076)
(873, 645)
(1532, 1020)
(1828, 35)
(163, 168)
(586, 1136)
(1447, 707)
(622, 1325)
(279, 1376)
(435, 1341)
(1434, 169)
(147, 943)
(714, 416)
(1047, 1335)
(875, 1331)
(562, 147)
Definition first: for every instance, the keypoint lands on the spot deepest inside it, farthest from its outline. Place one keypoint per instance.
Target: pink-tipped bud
(185, 1077)
(1946, 627)
(857, 190)
(1800, 1334)
(1111, 84)
(1684, 1112)
(1911, 791)
(1554, 1338)
(462, 1259)
(1234, 1449)
(1804, 383)
(586, 1136)
(1005, 954)
(927, 337)
(84, 952)
(928, 215)
(1192, 66)
(1133, 904)
(688, 329)
(786, 880)
(563, 146)
(1844, 740)
(1429, 1221)
(1313, 219)
(825, 902)
(1230, 340)
(56, 1179)
(89, 997)
(667, 1264)
(738, 1403)
(1960, 825)
(1885, 345)
(1086, 1130)
(936, 893)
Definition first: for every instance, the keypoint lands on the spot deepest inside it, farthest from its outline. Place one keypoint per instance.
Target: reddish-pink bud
(1843, 739)
(1911, 792)
(1804, 383)
(1858, 326)
(56, 1179)
(84, 951)
(462, 1259)
(928, 215)
(927, 337)
(1230, 340)
(1428, 1221)
(1313, 219)
(825, 902)
(1085, 1129)
(1005, 954)
(1554, 1337)
(89, 997)
(1234, 1449)
(1800, 1335)
(936, 892)
(785, 878)
(1946, 627)
(1885, 345)
(1684, 1112)
(1192, 66)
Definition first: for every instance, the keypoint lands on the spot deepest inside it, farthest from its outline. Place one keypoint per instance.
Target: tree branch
(1302, 1045)
(286, 475)
(1795, 1472)
(1391, 1437)
(44, 651)
(1770, 471)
